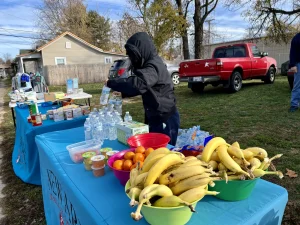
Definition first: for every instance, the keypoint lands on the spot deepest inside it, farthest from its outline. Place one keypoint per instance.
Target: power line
(10, 35)
(24, 31)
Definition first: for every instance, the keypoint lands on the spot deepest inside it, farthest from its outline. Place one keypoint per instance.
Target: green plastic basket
(167, 216)
(234, 190)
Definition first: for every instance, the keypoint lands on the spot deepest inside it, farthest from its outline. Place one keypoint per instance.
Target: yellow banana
(210, 147)
(140, 180)
(189, 158)
(134, 195)
(162, 164)
(221, 167)
(215, 156)
(213, 164)
(137, 214)
(195, 194)
(147, 166)
(156, 152)
(236, 177)
(258, 152)
(194, 163)
(255, 163)
(172, 201)
(260, 173)
(182, 173)
(270, 161)
(236, 144)
(160, 190)
(191, 182)
(228, 161)
(133, 174)
(248, 155)
(238, 153)
(264, 163)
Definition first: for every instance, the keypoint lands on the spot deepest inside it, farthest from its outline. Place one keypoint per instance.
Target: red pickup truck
(229, 66)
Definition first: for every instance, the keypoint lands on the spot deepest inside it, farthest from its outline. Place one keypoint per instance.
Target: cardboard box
(128, 129)
(53, 96)
(49, 97)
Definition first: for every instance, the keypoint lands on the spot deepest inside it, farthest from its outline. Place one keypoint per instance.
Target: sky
(18, 18)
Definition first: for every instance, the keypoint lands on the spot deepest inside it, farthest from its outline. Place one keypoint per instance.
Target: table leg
(13, 116)
(89, 102)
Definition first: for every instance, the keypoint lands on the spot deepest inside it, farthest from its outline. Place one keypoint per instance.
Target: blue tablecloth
(73, 195)
(25, 157)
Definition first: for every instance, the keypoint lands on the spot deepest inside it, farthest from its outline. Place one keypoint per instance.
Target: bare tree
(58, 16)
(7, 58)
(160, 19)
(279, 20)
(202, 10)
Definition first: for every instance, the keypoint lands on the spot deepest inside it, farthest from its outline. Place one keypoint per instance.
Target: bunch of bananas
(169, 179)
(233, 163)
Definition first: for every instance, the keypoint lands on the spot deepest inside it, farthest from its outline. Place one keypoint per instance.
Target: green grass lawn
(255, 116)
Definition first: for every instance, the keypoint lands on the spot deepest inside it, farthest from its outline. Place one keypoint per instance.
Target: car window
(117, 64)
(255, 51)
(239, 51)
(229, 52)
(219, 53)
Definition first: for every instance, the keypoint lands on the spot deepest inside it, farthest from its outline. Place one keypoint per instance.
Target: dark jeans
(171, 129)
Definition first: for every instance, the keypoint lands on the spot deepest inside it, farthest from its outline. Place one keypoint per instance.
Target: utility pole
(209, 40)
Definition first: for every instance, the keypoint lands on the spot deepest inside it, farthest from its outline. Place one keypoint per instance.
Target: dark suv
(121, 69)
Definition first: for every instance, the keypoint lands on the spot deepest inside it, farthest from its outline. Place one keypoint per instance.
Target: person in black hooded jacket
(151, 80)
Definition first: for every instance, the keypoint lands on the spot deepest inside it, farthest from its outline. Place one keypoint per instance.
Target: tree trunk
(185, 39)
(198, 25)
(185, 45)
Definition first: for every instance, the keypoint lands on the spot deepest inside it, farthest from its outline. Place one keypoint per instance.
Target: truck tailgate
(193, 68)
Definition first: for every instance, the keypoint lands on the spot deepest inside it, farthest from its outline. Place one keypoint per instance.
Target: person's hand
(105, 82)
(293, 69)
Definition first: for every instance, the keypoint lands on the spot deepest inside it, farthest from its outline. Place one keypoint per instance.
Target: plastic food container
(76, 150)
(166, 215)
(111, 153)
(99, 172)
(149, 140)
(105, 150)
(234, 190)
(87, 159)
(98, 161)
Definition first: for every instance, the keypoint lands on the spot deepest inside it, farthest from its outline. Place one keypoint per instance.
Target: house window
(60, 61)
(108, 60)
(68, 44)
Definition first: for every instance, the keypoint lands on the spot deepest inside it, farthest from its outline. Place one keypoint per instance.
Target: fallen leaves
(291, 173)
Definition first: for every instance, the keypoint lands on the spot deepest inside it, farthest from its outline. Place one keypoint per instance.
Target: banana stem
(211, 193)
(263, 164)
(137, 214)
(275, 157)
(278, 173)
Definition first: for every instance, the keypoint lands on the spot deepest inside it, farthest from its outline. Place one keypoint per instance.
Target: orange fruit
(140, 149)
(138, 157)
(118, 164)
(127, 165)
(129, 155)
(148, 151)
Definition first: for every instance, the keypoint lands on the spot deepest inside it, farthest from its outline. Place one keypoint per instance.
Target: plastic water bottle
(104, 95)
(118, 118)
(112, 131)
(127, 117)
(98, 135)
(87, 130)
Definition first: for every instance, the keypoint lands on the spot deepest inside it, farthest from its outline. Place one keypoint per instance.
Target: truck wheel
(197, 87)
(291, 81)
(175, 78)
(235, 82)
(270, 77)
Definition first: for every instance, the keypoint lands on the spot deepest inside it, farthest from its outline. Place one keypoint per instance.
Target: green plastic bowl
(167, 216)
(234, 190)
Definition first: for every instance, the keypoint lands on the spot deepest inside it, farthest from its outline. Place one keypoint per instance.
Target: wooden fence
(87, 73)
